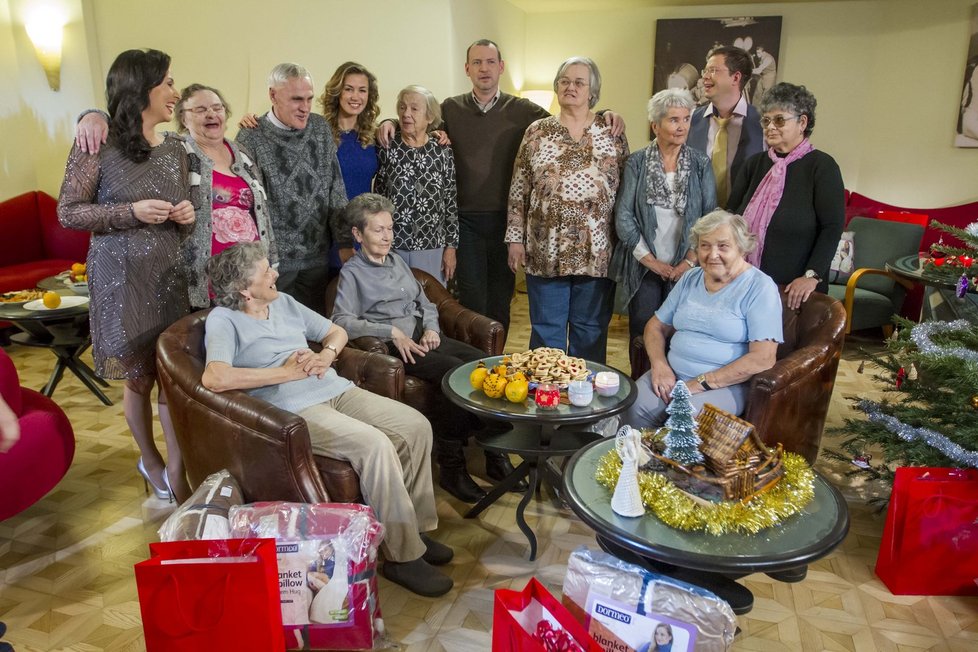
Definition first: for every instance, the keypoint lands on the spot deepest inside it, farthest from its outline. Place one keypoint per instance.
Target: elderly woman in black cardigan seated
(378, 296)
(722, 322)
(257, 340)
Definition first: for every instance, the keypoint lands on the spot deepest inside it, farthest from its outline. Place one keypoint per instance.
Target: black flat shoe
(436, 553)
(460, 484)
(418, 576)
(498, 467)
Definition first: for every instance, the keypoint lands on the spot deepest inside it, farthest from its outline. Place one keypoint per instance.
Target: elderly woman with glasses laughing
(792, 196)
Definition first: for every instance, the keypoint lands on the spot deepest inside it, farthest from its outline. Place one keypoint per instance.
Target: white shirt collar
(278, 123)
(488, 105)
(740, 109)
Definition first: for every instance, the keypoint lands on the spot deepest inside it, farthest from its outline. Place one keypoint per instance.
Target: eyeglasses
(563, 82)
(712, 71)
(778, 121)
(201, 110)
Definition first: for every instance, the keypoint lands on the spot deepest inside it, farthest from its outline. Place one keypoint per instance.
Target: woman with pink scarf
(792, 197)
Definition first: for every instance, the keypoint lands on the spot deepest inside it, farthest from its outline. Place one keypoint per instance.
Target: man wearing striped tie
(728, 129)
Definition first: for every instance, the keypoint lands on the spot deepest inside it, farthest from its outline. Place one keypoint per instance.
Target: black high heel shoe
(164, 493)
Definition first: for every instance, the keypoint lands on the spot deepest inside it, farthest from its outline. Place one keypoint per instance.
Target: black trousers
(449, 421)
(651, 293)
(485, 282)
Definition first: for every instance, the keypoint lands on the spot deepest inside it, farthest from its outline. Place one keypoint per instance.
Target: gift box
(930, 540)
(327, 570)
(197, 596)
(532, 620)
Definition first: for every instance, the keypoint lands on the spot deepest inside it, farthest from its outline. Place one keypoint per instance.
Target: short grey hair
(231, 270)
(283, 72)
(432, 108)
(363, 207)
(746, 241)
(595, 82)
(793, 99)
(667, 99)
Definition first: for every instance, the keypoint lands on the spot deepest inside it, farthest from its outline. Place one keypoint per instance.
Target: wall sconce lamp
(46, 30)
(542, 98)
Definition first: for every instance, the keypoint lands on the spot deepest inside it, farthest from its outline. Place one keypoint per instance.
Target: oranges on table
(51, 300)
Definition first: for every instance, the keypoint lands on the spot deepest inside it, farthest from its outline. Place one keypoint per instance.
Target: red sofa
(957, 216)
(42, 456)
(33, 244)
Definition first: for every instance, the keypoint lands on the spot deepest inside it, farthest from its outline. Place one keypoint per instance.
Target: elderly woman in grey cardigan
(666, 188)
(225, 183)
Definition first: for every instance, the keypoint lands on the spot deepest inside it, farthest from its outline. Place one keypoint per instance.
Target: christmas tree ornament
(683, 440)
(901, 375)
(909, 433)
(974, 401)
(962, 287)
(627, 499)
(966, 260)
(921, 336)
(862, 460)
(895, 335)
(862, 367)
(912, 374)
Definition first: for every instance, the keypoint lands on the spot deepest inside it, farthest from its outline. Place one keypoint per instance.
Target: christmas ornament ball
(974, 401)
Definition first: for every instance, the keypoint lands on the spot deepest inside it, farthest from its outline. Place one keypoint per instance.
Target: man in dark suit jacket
(728, 69)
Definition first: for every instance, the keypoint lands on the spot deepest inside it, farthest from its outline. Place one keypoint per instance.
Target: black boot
(454, 478)
(498, 467)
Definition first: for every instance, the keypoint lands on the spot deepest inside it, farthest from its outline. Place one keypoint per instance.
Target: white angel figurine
(627, 499)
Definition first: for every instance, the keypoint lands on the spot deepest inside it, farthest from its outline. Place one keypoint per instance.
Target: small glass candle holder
(547, 396)
(606, 383)
(580, 392)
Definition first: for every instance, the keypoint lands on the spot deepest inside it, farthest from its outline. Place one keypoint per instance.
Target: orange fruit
(494, 385)
(51, 299)
(516, 391)
(478, 375)
(78, 269)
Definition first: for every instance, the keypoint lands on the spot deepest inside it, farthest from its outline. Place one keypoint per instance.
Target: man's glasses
(712, 71)
(778, 121)
(201, 110)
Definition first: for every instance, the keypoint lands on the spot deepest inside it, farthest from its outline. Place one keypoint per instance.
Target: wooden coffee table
(712, 562)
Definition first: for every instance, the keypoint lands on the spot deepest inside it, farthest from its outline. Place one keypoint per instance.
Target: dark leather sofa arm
(376, 372)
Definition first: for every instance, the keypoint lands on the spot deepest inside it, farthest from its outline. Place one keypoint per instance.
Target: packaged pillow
(843, 262)
(205, 514)
(626, 607)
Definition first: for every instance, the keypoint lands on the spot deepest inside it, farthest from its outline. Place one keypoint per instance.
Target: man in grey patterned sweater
(295, 151)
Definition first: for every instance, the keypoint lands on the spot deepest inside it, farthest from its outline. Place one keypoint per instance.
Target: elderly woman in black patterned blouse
(418, 175)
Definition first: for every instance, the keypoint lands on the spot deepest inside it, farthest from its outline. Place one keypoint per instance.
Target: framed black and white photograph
(967, 128)
(681, 46)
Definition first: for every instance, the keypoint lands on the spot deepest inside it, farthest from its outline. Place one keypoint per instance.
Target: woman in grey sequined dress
(133, 197)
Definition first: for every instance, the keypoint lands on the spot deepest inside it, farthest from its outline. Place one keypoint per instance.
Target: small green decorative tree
(683, 439)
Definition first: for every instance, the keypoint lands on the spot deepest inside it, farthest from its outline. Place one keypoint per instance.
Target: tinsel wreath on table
(676, 509)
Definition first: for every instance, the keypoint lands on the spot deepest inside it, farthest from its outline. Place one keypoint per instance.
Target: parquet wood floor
(66, 579)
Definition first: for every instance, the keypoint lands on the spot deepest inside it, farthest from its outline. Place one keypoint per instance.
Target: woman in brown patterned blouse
(560, 222)
(133, 197)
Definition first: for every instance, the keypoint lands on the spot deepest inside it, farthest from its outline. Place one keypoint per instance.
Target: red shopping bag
(211, 595)
(930, 540)
(533, 620)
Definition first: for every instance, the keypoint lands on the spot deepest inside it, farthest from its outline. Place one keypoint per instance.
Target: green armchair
(872, 295)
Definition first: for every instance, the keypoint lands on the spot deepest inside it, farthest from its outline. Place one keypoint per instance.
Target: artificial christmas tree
(683, 441)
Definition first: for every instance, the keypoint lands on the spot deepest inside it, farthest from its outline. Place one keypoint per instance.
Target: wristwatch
(691, 264)
(336, 352)
(701, 379)
(810, 273)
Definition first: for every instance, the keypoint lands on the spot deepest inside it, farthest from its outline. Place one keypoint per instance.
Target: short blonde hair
(432, 108)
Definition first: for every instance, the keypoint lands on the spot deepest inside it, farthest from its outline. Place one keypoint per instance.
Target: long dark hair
(133, 74)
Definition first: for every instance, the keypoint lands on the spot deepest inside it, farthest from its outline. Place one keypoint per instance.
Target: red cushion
(22, 239)
(959, 216)
(26, 275)
(60, 242)
(40, 459)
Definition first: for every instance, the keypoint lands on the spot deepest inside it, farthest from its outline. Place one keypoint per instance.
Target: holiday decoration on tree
(953, 263)
(683, 440)
(627, 500)
(930, 421)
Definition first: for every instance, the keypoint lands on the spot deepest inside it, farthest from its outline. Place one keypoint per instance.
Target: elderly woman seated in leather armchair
(724, 321)
(257, 340)
(377, 295)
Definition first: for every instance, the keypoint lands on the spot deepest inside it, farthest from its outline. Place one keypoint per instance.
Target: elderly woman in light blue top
(666, 188)
(722, 322)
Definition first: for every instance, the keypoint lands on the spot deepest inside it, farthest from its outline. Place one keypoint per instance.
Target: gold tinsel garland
(674, 508)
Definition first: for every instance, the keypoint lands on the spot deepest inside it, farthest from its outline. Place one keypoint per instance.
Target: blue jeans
(571, 313)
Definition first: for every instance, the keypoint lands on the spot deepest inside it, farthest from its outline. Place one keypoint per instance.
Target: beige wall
(887, 73)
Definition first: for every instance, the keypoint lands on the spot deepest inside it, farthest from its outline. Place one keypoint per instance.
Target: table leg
(56, 374)
(521, 508)
(68, 358)
(739, 597)
(501, 488)
(89, 379)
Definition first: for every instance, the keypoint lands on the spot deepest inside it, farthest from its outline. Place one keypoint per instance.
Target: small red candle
(966, 260)
(547, 396)
(938, 262)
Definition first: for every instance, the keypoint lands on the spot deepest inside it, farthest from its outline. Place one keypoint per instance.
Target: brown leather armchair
(788, 402)
(456, 322)
(266, 449)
